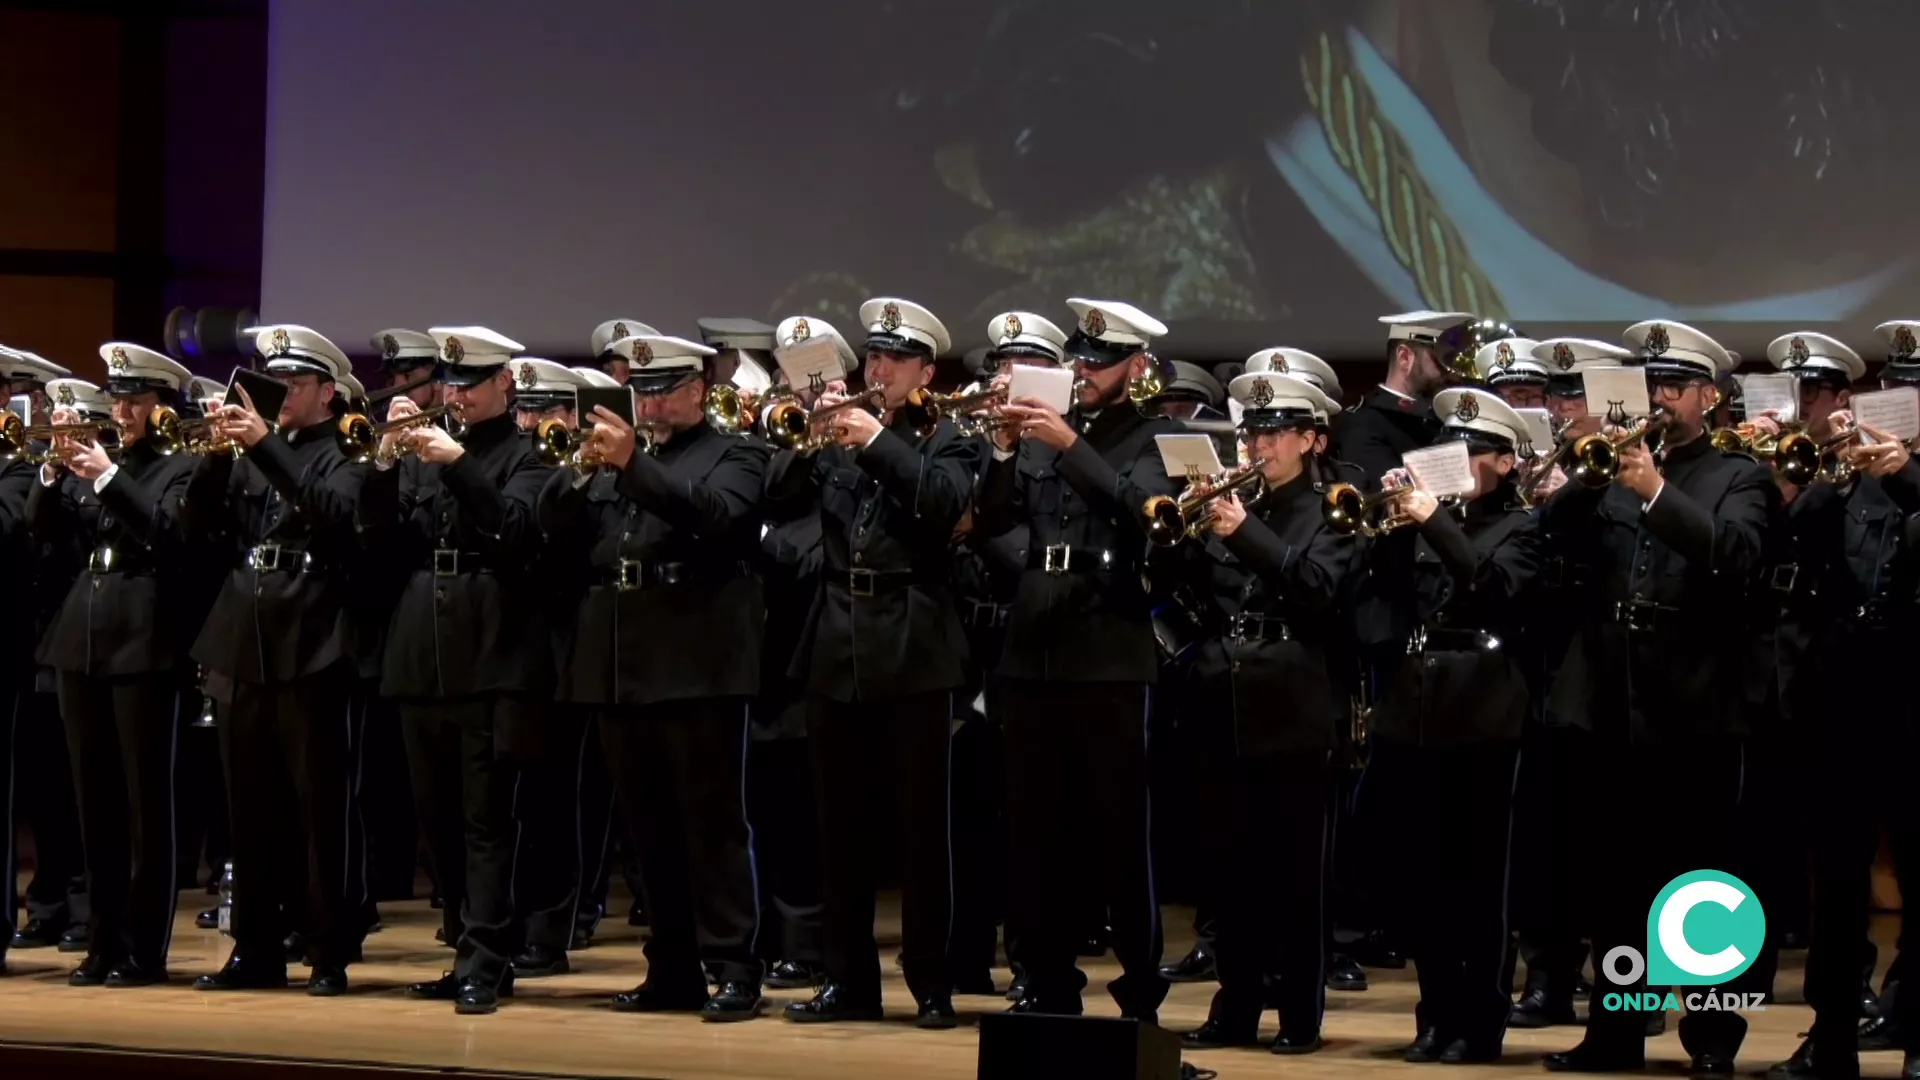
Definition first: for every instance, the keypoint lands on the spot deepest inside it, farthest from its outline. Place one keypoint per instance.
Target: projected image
(1544, 161)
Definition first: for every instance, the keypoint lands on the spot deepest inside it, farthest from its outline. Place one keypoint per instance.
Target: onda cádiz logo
(1704, 928)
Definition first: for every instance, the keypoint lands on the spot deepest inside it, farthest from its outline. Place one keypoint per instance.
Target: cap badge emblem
(1013, 326)
(1903, 343)
(1261, 395)
(1503, 355)
(1797, 352)
(1657, 340)
(643, 354)
(282, 344)
(527, 378)
(802, 330)
(890, 317)
(453, 352)
(1280, 364)
(118, 360)
(1563, 356)
(64, 395)
(389, 348)
(1095, 322)
(1467, 409)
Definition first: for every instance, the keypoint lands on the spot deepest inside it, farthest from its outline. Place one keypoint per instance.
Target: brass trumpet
(17, 437)
(1799, 459)
(1170, 521)
(1144, 388)
(789, 425)
(360, 438)
(971, 410)
(1347, 511)
(559, 446)
(729, 409)
(1596, 457)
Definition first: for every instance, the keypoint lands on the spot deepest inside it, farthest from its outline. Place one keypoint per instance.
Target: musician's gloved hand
(1228, 515)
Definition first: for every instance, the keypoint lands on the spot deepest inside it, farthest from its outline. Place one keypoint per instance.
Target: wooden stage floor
(562, 1026)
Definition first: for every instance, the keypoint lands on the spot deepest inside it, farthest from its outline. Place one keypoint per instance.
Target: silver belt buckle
(446, 562)
(264, 557)
(100, 560)
(1417, 644)
(860, 581)
(1784, 577)
(1056, 558)
(630, 576)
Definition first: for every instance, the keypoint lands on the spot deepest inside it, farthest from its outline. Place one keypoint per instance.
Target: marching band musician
(1509, 368)
(16, 682)
(670, 533)
(279, 637)
(1426, 351)
(118, 646)
(467, 657)
(1852, 596)
(1443, 611)
(883, 652)
(1270, 705)
(614, 363)
(1079, 660)
(1663, 556)
(407, 358)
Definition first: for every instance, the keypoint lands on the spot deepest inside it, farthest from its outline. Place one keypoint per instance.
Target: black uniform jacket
(1444, 609)
(672, 609)
(1082, 610)
(283, 516)
(1665, 600)
(882, 624)
(1380, 430)
(470, 619)
(789, 566)
(129, 611)
(1277, 582)
(18, 548)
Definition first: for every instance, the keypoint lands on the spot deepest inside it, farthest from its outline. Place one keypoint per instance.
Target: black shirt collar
(488, 432)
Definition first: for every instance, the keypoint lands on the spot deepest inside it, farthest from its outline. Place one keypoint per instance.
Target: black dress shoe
(1296, 1042)
(437, 902)
(1218, 1034)
(636, 916)
(91, 972)
(936, 1014)
(327, 980)
(478, 997)
(440, 935)
(1879, 1035)
(1425, 1048)
(76, 939)
(831, 1005)
(539, 962)
(444, 988)
(792, 975)
(208, 919)
(1582, 989)
(1095, 945)
(1017, 989)
(128, 973)
(1711, 1063)
(1810, 1063)
(649, 998)
(1376, 951)
(1197, 966)
(1344, 974)
(733, 1002)
(1143, 1016)
(296, 947)
(238, 974)
(1910, 1067)
(1539, 1009)
(38, 934)
(1469, 1052)
(1591, 1059)
(1039, 1006)
(582, 939)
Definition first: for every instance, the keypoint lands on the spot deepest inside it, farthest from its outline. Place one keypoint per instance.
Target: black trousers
(599, 829)
(1635, 847)
(463, 787)
(287, 749)
(43, 798)
(1272, 842)
(203, 825)
(1548, 868)
(1077, 781)
(390, 827)
(1457, 818)
(678, 770)
(10, 703)
(122, 734)
(784, 811)
(979, 845)
(1858, 784)
(875, 762)
(546, 876)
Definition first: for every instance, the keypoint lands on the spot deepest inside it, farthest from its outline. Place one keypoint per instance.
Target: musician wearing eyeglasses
(1080, 658)
(468, 659)
(1852, 586)
(1666, 559)
(1427, 351)
(882, 654)
(275, 498)
(118, 647)
(670, 533)
(1267, 709)
(1444, 612)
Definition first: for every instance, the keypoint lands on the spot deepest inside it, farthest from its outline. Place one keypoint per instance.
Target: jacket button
(1236, 665)
(859, 556)
(440, 595)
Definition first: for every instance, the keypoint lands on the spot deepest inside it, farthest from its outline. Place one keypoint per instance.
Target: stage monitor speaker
(1029, 1046)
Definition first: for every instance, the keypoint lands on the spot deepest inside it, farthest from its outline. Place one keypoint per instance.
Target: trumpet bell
(1166, 525)
(727, 409)
(1798, 458)
(785, 424)
(358, 439)
(1596, 460)
(1344, 508)
(554, 443)
(1149, 385)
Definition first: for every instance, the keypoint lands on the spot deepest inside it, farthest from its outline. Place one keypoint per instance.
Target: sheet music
(1539, 429)
(1617, 392)
(1890, 412)
(811, 360)
(1779, 394)
(1189, 455)
(1052, 387)
(1441, 470)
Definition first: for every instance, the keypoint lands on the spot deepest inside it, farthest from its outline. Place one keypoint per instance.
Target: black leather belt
(861, 582)
(107, 559)
(1884, 614)
(632, 574)
(270, 557)
(1640, 615)
(987, 615)
(1452, 639)
(450, 563)
(1069, 559)
(1252, 626)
